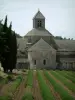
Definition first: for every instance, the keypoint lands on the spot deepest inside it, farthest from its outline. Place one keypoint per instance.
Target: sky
(59, 14)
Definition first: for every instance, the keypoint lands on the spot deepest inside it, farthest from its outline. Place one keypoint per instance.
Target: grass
(45, 90)
(58, 88)
(64, 80)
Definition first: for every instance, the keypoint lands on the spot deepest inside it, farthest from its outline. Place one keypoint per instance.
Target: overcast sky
(59, 14)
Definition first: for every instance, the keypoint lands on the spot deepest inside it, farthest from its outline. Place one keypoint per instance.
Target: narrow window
(44, 62)
(34, 62)
(39, 24)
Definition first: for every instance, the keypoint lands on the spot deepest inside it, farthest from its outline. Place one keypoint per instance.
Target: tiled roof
(66, 44)
(40, 45)
(38, 32)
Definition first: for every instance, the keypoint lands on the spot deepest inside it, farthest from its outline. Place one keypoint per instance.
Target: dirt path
(69, 91)
(19, 93)
(55, 94)
(36, 89)
(1, 86)
(4, 89)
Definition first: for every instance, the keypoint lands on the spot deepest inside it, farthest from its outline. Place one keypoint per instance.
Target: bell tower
(39, 20)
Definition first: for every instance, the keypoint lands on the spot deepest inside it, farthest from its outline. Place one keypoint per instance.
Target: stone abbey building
(39, 49)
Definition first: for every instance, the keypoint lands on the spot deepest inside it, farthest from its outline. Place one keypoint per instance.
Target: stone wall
(36, 59)
(67, 64)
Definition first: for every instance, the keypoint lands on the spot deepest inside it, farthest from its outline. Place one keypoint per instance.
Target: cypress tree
(5, 25)
(8, 47)
(14, 50)
(12, 44)
(5, 46)
(9, 43)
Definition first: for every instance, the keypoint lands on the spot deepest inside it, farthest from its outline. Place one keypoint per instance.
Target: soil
(55, 94)
(69, 91)
(4, 89)
(19, 93)
(36, 89)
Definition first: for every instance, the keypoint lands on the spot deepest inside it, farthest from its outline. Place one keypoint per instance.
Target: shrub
(23, 70)
(10, 78)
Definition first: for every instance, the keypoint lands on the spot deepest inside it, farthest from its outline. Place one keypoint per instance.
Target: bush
(24, 70)
(10, 78)
(1, 78)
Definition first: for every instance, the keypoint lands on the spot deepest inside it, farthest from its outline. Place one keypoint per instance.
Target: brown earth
(36, 89)
(69, 91)
(4, 90)
(55, 94)
(19, 93)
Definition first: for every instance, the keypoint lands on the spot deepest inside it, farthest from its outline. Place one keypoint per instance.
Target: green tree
(5, 25)
(8, 47)
(13, 51)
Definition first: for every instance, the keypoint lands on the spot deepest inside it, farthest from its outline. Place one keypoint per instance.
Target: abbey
(38, 49)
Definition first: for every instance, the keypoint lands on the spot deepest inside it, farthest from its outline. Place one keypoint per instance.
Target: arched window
(44, 62)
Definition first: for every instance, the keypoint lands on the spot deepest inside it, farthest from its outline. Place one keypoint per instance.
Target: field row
(39, 85)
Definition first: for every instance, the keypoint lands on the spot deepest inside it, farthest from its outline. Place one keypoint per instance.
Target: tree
(8, 47)
(12, 45)
(4, 46)
(13, 51)
(5, 25)
(58, 37)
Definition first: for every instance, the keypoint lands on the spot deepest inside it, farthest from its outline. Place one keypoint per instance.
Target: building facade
(41, 50)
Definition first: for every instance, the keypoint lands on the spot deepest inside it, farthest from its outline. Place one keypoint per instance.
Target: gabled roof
(39, 15)
(41, 45)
